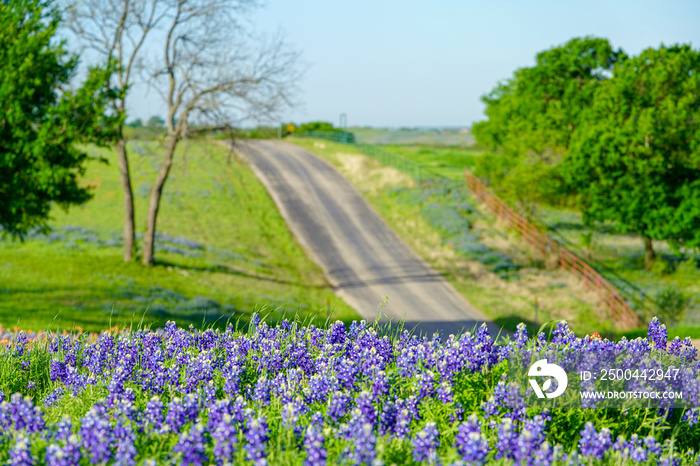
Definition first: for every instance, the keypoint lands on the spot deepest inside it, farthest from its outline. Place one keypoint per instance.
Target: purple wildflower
(426, 443)
(191, 445)
(313, 446)
(225, 437)
(658, 333)
(470, 441)
(594, 443)
(256, 438)
(68, 455)
(21, 452)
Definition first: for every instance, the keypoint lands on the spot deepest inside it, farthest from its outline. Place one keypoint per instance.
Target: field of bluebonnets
(294, 394)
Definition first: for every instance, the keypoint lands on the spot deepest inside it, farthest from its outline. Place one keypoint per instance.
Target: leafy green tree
(156, 122)
(536, 112)
(41, 120)
(317, 126)
(636, 160)
(532, 116)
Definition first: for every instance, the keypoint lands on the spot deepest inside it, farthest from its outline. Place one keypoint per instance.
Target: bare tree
(210, 71)
(214, 73)
(117, 30)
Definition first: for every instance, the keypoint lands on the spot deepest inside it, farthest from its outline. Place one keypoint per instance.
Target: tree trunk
(129, 230)
(649, 254)
(154, 200)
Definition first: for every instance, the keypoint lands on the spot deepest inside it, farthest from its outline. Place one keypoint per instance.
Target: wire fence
(619, 308)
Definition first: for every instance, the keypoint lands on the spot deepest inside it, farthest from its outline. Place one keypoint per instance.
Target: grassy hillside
(223, 250)
(446, 161)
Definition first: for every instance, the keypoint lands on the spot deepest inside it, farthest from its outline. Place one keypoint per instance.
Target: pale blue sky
(426, 63)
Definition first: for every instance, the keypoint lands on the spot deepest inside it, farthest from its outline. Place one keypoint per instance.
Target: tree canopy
(636, 160)
(536, 112)
(533, 115)
(621, 134)
(41, 118)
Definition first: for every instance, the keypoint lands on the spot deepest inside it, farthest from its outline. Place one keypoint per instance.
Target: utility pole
(343, 124)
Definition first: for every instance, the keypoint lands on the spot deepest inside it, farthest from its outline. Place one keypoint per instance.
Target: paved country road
(368, 265)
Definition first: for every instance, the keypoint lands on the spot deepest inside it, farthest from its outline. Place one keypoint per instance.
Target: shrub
(672, 303)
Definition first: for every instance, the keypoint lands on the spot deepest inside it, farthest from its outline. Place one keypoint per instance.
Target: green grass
(425, 136)
(446, 161)
(248, 259)
(507, 298)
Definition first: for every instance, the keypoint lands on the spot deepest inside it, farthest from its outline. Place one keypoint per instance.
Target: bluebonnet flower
(366, 408)
(356, 373)
(320, 386)
(337, 333)
(361, 437)
(521, 336)
(181, 412)
(506, 439)
(20, 344)
(444, 392)
(470, 441)
(58, 370)
(97, 436)
(338, 406)
(387, 419)
(379, 384)
(684, 349)
(68, 455)
(691, 416)
(562, 335)
(226, 440)
(290, 415)
(125, 452)
(153, 416)
(652, 445)
(232, 379)
(530, 439)
(21, 452)
(21, 414)
(658, 333)
(594, 443)
(64, 428)
(191, 445)
(316, 454)
(426, 443)
(256, 439)
(506, 399)
(633, 448)
(262, 390)
(669, 461)
(425, 385)
(403, 423)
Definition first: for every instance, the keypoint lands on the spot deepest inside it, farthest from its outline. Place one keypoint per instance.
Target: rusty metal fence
(620, 310)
